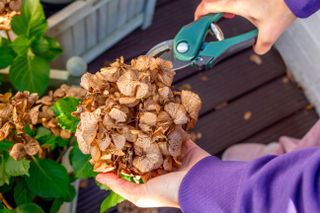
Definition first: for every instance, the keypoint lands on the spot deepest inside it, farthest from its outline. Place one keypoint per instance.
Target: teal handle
(193, 34)
(218, 50)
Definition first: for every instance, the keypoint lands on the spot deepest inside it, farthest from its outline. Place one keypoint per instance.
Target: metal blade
(164, 51)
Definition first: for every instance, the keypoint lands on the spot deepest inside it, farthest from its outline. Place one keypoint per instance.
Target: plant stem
(8, 35)
(4, 201)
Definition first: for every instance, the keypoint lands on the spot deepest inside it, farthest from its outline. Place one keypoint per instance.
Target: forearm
(269, 184)
(303, 8)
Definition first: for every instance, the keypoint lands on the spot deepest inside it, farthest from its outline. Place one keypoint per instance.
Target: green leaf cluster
(62, 109)
(28, 179)
(80, 163)
(49, 140)
(30, 53)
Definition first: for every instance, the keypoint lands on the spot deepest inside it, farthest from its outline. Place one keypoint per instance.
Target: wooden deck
(235, 87)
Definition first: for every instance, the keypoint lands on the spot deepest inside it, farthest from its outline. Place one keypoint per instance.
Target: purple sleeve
(303, 8)
(287, 183)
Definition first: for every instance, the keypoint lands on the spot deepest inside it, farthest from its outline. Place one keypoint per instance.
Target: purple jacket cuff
(303, 8)
(207, 180)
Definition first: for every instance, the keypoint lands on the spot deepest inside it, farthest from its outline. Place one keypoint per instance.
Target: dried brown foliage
(8, 9)
(131, 119)
(27, 109)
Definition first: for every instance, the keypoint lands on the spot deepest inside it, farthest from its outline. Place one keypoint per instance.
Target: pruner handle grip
(189, 44)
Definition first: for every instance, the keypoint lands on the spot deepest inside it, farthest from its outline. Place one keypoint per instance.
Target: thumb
(122, 187)
(216, 6)
(264, 42)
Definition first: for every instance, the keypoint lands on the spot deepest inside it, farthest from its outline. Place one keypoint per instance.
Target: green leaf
(28, 208)
(47, 179)
(21, 193)
(54, 49)
(17, 168)
(110, 201)
(46, 138)
(5, 145)
(40, 45)
(32, 21)
(7, 55)
(71, 193)
(42, 133)
(29, 131)
(4, 177)
(62, 109)
(30, 73)
(21, 45)
(80, 163)
(56, 205)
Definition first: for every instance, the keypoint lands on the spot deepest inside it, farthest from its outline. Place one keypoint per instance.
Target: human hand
(271, 17)
(161, 191)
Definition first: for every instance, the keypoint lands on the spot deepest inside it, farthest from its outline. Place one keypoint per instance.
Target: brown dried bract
(9, 9)
(27, 109)
(140, 127)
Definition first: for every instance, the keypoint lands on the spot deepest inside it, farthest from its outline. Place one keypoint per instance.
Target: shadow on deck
(242, 101)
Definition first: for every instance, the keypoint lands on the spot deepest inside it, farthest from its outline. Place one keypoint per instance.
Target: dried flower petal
(18, 152)
(138, 130)
(152, 159)
(32, 146)
(191, 102)
(177, 112)
(118, 115)
(118, 140)
(127, 83)
(176, 138)
(110, 74)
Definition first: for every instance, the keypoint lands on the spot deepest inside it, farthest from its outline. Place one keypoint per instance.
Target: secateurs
(189, 47)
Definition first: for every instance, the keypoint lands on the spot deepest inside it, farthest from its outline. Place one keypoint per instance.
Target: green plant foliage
(56, 205)
(7, 55)
(5, 145)
(17, 168)
(4, 177)
(47, 139)
(21, 193)
(62, 109)
(80, 163)
(21, 45)
(68, 197)
(110, 201)
(30, 53)
(30, 73)
(48, 179)
(32, 21)
(28, 208)
(53, 51)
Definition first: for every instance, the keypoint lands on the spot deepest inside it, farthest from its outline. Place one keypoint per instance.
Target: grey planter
(87, 28)
(300, 49)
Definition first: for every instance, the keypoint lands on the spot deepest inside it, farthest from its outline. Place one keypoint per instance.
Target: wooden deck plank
(295, 126)
(90, 198)
(269, 104)
(234, 77)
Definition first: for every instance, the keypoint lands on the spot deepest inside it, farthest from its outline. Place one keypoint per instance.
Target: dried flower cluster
(27, 109)
(8, 9)
(132, 121)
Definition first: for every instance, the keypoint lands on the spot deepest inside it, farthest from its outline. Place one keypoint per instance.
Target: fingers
(122, 187)
(265, 41)
(216, 6)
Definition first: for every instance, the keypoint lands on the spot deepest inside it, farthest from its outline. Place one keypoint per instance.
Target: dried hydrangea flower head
(27, 109)
(131, 120)
(8, 9)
